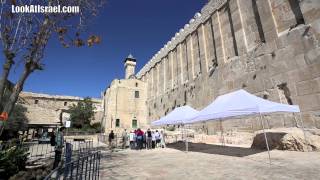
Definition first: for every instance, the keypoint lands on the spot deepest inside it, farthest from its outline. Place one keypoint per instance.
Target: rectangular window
(134, 123)
(136, 94)
(36, 101)
(65, 103)
(117, 122)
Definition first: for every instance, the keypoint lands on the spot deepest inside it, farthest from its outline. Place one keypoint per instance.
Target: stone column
(196, 54)
(229, 44)
(179, 65)
(190, 58)
(236, 22)
(168, 74)
(161, 77)
(211, 54)
(218, 38)
(203, 49)
(184, 62)
(155, 80)
(250, 21)
(283, 14)
(267, 20)
(174, 67)
(164, 62)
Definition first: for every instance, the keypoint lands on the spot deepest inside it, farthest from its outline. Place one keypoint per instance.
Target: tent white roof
(177, 116)
(239, 103)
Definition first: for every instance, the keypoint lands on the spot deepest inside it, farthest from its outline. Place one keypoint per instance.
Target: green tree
(82, 113)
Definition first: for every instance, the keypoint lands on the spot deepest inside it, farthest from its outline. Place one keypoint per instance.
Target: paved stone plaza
(214, 163)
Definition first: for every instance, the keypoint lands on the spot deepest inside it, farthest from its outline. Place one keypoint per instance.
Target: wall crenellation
(206, 11)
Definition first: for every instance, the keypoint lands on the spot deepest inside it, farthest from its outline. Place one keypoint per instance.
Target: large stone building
(267, 47)
(124, 101)
(270, 48)
(44, 110)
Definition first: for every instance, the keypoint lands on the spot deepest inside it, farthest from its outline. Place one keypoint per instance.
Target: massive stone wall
(268, 47)
(50, 109)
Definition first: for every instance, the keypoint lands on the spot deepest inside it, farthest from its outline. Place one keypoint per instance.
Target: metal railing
(84, 167)
(46, 150)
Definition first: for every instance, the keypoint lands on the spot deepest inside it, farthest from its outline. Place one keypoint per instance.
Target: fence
(46, 150)
(84, 167)
(117, 142)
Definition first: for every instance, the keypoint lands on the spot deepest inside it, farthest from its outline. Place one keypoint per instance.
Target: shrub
(12, 160)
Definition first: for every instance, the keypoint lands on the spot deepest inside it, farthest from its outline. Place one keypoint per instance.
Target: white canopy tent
(240, 103)
(234, 104)
(177, 116)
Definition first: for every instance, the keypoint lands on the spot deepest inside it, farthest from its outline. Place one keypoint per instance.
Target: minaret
(129, 64)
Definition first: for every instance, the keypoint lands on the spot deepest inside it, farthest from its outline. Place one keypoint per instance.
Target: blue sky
(140, 27)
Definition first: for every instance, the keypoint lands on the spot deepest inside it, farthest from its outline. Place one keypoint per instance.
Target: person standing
(153, 140)
(124, 138)
(132, 139)
(58, 147)
(140, 138)
(163, 142)
(110, 139)
(158, 138)
(53, 138)
(149, 139)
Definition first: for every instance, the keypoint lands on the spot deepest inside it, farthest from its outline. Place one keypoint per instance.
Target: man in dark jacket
(58, 147)
(110, 139)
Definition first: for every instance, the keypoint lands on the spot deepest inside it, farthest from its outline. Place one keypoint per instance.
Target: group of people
(138, 139)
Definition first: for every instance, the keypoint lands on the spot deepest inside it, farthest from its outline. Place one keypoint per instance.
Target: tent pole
(295, 120)
(222, 135)
(186, 138)
(265, 137)
(302, 126)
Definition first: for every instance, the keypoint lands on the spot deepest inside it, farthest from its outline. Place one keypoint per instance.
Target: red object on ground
(4, 116)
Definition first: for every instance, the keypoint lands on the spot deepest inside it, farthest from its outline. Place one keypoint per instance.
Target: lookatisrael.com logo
(44, 9)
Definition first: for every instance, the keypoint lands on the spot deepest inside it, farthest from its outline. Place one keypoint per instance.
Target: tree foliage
(82, 113)
(12, 160)
(24, 38)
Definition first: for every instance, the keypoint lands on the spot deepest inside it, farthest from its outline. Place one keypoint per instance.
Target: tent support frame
(265, 137)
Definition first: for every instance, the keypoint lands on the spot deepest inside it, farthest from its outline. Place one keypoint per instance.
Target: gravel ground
(205, 161)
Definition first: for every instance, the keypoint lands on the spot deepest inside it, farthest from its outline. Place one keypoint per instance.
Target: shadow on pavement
(214, 149)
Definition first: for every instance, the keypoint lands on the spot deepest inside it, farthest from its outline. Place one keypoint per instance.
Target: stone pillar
(168, 74)
(211, 54)
(236, 23)
(170, 62)
(161, 77)
(203, 49)
(283, 13)
(184, 59)
(267, 20)
(251, 29)
(230, 47)
(196, 54)
(190, 58)
(179, 65)
(218, 38)
(164, 61)
(174, 67)
(155, 80)
(149, 79)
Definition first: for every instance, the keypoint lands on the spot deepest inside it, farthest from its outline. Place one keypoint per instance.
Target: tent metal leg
(222, 134)
(303, 129)
(265, 137)
(187, 145)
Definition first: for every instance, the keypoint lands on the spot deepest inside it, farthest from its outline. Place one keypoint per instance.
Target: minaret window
(136, 94)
